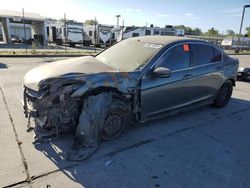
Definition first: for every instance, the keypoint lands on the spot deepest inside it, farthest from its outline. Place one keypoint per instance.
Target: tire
(224, 95)
(72, 44)
(118, 117)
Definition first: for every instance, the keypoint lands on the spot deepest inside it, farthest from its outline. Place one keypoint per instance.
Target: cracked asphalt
(205, 147)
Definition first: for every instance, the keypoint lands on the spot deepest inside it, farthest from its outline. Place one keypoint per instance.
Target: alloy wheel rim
(113, 123)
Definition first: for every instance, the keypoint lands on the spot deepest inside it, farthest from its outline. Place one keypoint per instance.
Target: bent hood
(86, 65)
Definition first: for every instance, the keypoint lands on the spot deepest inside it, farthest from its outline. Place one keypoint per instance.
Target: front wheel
(116, 120)
(223, 95)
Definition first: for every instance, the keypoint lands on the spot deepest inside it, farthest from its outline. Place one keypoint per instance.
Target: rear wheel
(117, 118)
(223, 95)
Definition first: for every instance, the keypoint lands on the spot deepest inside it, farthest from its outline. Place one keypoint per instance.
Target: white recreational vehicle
(72, 33)
(101, 35)
(133, 31)
(233, 43)
(69, 32)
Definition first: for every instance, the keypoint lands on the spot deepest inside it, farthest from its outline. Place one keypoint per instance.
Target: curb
(237, 54)
(46, 55)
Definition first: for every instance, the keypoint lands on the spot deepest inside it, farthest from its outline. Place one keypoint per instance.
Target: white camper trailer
(233, 43)
(101, 35)
(71, 33)
(133, 31)
(52, 27)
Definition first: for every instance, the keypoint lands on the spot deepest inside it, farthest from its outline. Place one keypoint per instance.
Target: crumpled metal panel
(77, 103)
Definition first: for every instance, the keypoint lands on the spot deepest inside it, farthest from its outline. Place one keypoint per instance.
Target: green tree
(91, 22)
(189, 30)
(62, 20)
(197, 31)
(180, 27)
(168, 26)
(248, 31)
(212, 32)
(230, 32)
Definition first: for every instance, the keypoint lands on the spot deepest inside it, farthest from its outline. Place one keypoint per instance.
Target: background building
(12, 26)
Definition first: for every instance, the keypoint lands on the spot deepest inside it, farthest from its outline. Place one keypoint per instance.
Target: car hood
(83, 65)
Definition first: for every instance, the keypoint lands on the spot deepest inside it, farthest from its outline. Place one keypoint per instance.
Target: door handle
(187, 76)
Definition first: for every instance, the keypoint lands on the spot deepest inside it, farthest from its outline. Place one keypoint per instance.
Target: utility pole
(24, 29)
(95, 34)
(65, 33)
(241, 24)
(122, 30)
(118, 17)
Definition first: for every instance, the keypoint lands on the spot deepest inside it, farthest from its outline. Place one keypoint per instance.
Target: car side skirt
(183, 108)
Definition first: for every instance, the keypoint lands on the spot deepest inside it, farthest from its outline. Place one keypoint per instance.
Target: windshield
(129, 55)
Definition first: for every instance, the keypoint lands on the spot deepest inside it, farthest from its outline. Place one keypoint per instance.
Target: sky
(220, 14)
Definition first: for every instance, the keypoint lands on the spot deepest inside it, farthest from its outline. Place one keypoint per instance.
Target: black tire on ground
(223, 95)
(117, 119)
(59, 42)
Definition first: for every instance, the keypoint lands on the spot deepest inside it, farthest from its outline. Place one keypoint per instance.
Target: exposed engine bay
(53, 114)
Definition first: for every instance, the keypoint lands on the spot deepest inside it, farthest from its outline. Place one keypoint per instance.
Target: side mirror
(162, 72)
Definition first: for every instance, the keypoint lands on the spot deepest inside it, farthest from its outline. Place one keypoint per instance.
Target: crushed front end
(53, 111)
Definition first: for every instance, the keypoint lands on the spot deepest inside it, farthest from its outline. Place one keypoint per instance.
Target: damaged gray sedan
(135, 80)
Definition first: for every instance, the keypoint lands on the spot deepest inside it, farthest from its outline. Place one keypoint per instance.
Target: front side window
(201, 54)
(176, 58)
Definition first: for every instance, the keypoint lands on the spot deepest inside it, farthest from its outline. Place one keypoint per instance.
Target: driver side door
(160, 95)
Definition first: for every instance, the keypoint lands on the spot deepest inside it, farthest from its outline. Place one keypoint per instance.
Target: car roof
(163, 40)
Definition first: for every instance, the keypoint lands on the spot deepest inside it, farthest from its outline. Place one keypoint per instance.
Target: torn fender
(125, 83)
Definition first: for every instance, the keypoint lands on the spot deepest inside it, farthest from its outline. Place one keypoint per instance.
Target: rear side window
(201, 54)
(217, 55)
(176, 58)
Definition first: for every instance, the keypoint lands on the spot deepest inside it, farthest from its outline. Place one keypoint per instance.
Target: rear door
(207, 65)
